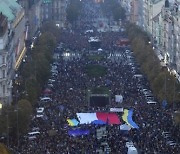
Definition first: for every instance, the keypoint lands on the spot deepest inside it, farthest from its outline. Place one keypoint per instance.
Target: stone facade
(12, 46)
(54, 10)
(160, 19)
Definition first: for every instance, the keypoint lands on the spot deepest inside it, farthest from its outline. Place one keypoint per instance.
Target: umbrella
(47, 91)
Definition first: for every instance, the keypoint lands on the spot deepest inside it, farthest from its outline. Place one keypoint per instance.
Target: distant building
(140, 19)
(126, 4)
(33, 15)
(134, 12)
(171, 33)
(12, 45)
(3, 56)
(54, 10)
(160, 19)
(163, 25)
(151, 9)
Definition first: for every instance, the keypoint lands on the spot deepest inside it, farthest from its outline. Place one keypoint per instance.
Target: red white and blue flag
(98, 118)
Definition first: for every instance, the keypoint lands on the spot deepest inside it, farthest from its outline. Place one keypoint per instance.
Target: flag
(164, 104)
(78, 132)
(98, 122)
(101, 117)
(72, 122)
(127, 117)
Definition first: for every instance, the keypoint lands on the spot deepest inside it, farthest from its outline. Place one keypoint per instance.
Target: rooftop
(157, 8)
(47, 1)
(9, 8)
(3, 24)
(156, 1)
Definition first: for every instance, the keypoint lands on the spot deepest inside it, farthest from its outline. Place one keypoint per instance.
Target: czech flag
(98, 118)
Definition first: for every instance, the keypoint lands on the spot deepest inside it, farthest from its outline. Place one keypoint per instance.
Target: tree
(163, 84)
(3, 125)
(13, 116)
(119, 13)
(73, 10)
(3, 149)
(37, 69)
(50, 28)
(24, 114)
(42, 68)
(28, 71)
(33, 90)
(48, 39)
(5, 122)
(113, 8)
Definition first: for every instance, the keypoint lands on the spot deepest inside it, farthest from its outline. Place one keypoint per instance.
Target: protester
(69, 94)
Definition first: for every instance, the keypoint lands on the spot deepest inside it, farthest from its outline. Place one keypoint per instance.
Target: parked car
(40, 112)
(45, 99)
(33, 135)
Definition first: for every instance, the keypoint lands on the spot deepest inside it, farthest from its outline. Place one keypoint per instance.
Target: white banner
(118, 98)
(86, 118)
(116, 110)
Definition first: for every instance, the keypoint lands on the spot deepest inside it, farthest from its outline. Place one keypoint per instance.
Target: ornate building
(54, 10)
(12, 45)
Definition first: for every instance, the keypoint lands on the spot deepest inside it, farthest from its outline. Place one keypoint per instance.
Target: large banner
(78, 132)
(127, 117)
(98, 118)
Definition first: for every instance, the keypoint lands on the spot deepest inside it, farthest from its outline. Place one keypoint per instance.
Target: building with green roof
(12, 46)
(9, 8)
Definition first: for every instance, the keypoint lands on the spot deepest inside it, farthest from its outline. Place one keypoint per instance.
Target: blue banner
(78, 132)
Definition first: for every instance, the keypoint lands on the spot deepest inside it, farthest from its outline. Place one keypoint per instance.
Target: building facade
(59, 12)
(3, 56)
(134, 11)
(126, 4)
(32, 15)
(12, 46)
(54, 10)
(170, 18)
(160, 19)
(151, 9)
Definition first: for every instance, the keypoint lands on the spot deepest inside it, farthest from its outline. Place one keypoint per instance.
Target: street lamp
(174, 94)
(7, 123)
(17, 117)
(110, 97)
(89, 95)
(7, 116)
(0, 107)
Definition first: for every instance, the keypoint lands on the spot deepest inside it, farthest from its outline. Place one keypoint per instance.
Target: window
(4, 73)
(3, 59)
(4, 90)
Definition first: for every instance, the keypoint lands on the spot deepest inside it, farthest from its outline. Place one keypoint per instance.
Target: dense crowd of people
(69, 96)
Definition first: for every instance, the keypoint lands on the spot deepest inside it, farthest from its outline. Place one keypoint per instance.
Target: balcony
(2, 80)
(3, 65)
